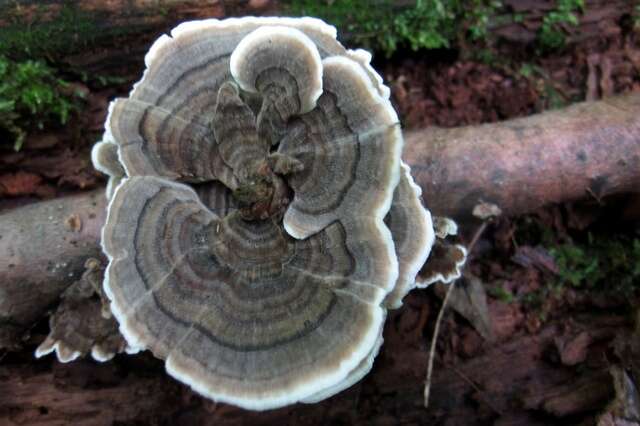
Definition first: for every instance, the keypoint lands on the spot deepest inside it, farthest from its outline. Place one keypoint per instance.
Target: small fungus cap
(252, 241)
(104, 156)
(447, 259)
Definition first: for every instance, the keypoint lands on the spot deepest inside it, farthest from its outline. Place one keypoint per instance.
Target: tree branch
(589, 149)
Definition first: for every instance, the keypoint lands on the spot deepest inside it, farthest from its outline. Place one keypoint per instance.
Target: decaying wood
(598, 20)
(120, 31)
(518, 21)
(125, 28)
(587, 150)
(43, 248)
(519, 381)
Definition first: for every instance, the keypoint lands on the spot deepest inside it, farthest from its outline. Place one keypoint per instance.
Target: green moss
(500, 293)
(605, 263)
(31, 96)
(551, 35)
(383, 26)
(598, 260)
(68, 31)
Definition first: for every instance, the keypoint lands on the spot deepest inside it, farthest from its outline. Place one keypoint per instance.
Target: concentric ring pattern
(263, 222)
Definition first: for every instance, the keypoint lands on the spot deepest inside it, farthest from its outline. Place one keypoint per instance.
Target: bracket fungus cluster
(82, 324)
(260, 221)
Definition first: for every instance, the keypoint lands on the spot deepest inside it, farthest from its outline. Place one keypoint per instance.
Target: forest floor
(554, 339)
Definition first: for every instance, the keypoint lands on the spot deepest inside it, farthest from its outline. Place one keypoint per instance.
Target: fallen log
(43, 248)
(120, 31)
(105, 38)
(589, 149)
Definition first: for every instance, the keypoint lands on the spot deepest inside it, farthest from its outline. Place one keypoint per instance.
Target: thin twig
(436, 330)
(432, 349)
(480, 392)
(477, 236)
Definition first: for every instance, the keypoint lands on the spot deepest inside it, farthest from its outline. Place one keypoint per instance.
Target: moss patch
(31, 97)
(383, 26)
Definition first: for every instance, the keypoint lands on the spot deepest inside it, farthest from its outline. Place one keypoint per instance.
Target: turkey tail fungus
(264, 222)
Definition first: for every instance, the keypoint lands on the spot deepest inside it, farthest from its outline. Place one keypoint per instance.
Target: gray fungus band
(261, 221)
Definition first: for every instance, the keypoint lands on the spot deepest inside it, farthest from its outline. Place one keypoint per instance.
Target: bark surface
(585, 150)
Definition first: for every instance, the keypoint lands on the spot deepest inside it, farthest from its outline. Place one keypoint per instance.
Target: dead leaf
(592, 78)
(573, 349)
(538, 257)
(469, 299)
(606, 83)
(74, 223)
(19, 183)
(41, 140)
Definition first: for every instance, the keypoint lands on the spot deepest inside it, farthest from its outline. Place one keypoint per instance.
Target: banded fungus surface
(263, 221)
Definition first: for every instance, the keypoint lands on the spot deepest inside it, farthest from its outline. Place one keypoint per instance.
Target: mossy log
(108, 38)
(597, 21)
(121, 31)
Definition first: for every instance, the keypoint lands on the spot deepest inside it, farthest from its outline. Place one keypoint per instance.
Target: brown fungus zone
(263, 223)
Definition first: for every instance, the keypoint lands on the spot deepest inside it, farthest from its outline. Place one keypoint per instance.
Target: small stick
(481, 393)
(436, 330)
(432, 349)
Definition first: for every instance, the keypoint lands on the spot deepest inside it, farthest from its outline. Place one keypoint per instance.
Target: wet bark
(110, 38)
(599, 20)
(125, 28)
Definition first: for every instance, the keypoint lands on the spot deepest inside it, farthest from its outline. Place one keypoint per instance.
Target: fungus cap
(447, 259)
(247, 242)
(104, 156)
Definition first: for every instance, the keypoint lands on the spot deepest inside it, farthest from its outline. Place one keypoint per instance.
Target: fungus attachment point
(264, 223)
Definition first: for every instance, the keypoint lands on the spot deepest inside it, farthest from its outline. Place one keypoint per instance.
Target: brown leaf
(20, 183)
(469, 299)
(573, 350)
(606, 83)
(41, 141)
(538, 257)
